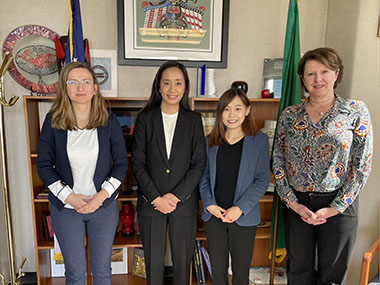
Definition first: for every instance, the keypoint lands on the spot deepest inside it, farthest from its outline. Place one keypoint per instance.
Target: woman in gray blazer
(236, 177)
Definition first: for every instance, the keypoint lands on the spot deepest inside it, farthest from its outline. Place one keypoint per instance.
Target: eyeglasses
(73, 83)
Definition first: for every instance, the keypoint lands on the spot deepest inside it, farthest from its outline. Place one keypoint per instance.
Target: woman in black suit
(168, 159)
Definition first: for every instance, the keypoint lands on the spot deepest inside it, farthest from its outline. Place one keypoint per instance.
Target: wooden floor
(128, 280)
(116, 280)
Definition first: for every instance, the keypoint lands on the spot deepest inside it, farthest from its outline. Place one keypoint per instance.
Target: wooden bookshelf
(264, 109)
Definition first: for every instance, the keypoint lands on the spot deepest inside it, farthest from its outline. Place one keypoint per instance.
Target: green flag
(290, 95)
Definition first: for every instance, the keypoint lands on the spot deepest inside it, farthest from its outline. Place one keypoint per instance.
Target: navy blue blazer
(252, 182)
(53, 163)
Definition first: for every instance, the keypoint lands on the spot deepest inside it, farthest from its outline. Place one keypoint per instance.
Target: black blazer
(180, 175)
(53, 163)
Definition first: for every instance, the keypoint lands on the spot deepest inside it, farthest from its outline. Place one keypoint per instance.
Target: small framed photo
(104, 64)
(57, 266)
(119, 261)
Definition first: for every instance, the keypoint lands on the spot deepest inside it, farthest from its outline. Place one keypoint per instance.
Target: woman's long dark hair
(155, 98)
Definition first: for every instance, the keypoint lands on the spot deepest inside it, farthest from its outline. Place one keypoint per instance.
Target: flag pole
(274, 240)
(290, 95)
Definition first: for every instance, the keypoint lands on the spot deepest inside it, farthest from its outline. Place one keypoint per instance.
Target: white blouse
(82, 152)
(169, 121)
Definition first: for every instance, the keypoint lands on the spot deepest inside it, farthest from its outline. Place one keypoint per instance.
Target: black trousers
(224, 238)
(333, 240)
(182, 231)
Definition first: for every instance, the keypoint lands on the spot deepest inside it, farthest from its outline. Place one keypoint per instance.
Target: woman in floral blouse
(321, 161)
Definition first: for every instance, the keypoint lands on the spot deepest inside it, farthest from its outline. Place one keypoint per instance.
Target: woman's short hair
(63, 116)
(218, 133)
(155, 98)
(328, 57)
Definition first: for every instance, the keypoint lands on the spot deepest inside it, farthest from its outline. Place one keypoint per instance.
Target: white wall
(354, 34)
(256, 29)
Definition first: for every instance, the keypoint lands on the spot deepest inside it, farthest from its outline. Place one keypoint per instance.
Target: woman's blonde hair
(63, 116)
(218, 133)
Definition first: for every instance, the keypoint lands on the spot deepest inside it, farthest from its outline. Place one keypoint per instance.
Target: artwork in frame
(194, 32)
(119, 263)
(103, 62)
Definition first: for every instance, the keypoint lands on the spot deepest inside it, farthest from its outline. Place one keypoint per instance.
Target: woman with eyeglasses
(78, 139)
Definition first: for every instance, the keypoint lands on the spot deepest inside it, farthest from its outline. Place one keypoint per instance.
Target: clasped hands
(166, 203)
(86, 204)
(313, 218)
(227, 216)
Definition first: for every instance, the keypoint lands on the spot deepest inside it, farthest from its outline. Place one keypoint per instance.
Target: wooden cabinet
(35, 109)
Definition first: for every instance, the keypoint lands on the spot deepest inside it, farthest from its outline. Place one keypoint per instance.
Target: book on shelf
(48, 227)
(198, 264)
(43, 194)
(198, 245)
(196, 268)
(206, 257)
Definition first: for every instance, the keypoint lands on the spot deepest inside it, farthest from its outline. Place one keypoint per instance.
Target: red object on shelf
(265, 93)
(126, 217)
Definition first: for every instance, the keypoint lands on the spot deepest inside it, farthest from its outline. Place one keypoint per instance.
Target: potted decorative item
(126, 217)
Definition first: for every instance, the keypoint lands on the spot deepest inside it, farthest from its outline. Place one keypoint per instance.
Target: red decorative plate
(34, 62)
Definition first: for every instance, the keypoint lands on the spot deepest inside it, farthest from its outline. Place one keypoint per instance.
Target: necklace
(324, 108)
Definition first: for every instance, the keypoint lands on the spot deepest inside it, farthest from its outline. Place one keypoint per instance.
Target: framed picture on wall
(193, 32)
(103, 62)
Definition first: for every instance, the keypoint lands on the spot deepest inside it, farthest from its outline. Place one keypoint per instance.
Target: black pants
(334, 241)
(182, 231)
(223, 238)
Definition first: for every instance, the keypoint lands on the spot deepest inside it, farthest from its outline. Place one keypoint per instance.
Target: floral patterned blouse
(334, 154)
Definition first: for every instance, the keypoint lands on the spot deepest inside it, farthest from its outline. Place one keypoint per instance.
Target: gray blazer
(252, 182)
